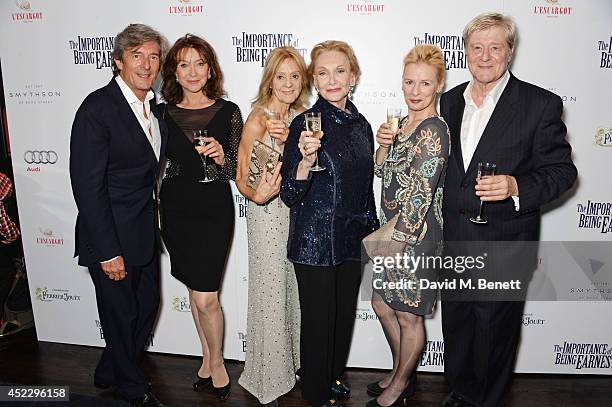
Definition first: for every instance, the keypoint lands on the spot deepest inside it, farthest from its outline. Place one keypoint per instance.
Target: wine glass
(484, 170)
(313, 124)
(271, 115)
(393, 118)
(198, 140)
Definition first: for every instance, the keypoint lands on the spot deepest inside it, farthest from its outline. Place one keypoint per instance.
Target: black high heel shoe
(201, 382)
(374, 389)
(223, 392)
(401, 400)
(340, 390)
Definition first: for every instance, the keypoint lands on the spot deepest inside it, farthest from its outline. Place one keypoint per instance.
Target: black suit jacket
(113, 171)
(526, 138)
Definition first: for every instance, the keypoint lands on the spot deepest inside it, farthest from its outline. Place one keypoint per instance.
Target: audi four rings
(40, 157)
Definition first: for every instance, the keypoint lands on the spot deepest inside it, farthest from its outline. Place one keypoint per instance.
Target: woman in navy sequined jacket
(331, 211)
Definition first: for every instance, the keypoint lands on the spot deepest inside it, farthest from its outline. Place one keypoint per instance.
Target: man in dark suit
(499, 119)
(115, 146)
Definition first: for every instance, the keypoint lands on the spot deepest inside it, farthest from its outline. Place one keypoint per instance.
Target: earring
(209, 75)
(351, 91)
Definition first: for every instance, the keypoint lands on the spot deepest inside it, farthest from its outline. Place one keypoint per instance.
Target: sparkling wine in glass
(484, 170)
(271, 115)
(313, 124)
(393, 119)
(198, 140)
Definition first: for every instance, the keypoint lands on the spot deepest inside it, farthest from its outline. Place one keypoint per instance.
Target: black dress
(198, 218)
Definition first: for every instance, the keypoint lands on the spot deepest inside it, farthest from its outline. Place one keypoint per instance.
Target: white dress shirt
(475, 120)
(142, 111)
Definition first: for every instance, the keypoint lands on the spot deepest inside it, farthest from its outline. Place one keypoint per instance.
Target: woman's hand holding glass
(212, 149)
(308, 145)
(385, 136)
(278, 131)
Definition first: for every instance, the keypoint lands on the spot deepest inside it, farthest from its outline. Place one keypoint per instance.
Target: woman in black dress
(198, 217)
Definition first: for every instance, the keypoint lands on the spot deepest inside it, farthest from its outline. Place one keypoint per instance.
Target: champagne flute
(393, 118)
(271, 115)
(198, 140)
(484, 170)
(313, 124)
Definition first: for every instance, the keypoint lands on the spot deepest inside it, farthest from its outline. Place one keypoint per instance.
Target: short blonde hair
(333, 45)
(429, 54)
(273, 61)
(489, 20)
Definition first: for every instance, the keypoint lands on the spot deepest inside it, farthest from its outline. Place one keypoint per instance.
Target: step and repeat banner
(55, 52)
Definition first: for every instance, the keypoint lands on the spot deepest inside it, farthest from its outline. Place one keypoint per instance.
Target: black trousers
(127, 311)
(328, 299)
(480, 344)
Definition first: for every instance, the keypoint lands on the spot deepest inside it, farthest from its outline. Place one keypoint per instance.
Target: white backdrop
(54, 52)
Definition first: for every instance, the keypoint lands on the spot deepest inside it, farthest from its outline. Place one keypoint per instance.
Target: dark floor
(25, 361)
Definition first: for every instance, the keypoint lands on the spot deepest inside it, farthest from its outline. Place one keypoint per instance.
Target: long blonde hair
(273, 62)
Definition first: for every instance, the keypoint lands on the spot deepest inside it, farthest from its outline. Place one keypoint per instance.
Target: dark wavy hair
(172, 90)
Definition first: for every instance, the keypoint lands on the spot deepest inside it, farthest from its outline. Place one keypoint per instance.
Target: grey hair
(489, 20)
(133, 36)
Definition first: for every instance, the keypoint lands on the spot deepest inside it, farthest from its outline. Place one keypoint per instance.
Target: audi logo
(40, 157)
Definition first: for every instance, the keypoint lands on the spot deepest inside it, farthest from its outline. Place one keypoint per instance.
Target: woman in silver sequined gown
(273, 316)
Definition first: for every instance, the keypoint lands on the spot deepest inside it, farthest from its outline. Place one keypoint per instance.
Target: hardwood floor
(23, 360)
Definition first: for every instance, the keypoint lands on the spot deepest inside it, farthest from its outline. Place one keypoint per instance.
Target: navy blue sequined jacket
(332, 210)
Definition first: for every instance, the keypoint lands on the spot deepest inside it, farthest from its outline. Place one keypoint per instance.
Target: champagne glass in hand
(270, 116)
(313, 124)
(393, 118)
(484, 170)
(198, 140)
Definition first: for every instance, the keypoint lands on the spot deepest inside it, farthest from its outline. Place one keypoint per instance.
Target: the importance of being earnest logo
(433, 354)
(100, 332)
(584, 355)
(606, 53)
(255, 47)
(242, 205)
(452, 46)
(96, 51)
(595, 215)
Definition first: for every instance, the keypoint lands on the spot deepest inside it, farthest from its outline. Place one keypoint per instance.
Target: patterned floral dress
(413, 183)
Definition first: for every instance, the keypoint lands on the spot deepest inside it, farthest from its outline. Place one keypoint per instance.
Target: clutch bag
(376, 242)
(262, 156)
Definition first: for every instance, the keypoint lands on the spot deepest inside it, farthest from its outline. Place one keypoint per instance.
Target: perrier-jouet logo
(603, 137)
(181, 304)
(41, 294)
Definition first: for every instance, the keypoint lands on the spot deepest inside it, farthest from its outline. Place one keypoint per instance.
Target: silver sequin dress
(273, 316)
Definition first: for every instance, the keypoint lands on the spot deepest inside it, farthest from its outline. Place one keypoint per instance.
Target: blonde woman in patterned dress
(273, 317)
(412, 165)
